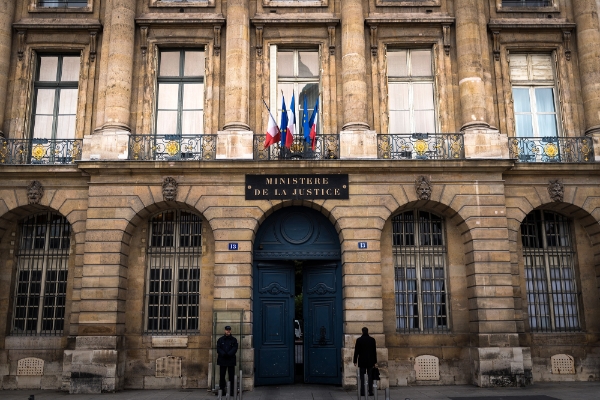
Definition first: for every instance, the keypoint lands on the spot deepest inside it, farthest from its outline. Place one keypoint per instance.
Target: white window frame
(34, 7)
(532, 85)
(411, 81)
(275, 99)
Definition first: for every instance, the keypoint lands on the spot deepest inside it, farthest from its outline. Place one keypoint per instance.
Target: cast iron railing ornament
(40, 151)
(551, 149)
(172, 147)
(420, 146)
(327, 147)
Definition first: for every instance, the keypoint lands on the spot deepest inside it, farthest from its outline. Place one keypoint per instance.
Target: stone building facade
(468, 242)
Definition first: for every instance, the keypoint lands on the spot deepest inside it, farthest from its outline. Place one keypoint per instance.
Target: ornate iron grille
(420, 272)
(173, 286)
(327, 147)
(421, 146)
(548, 256)
(172, 147)
(40, 151)
(62, 3)
(551, 149)
(41, 282)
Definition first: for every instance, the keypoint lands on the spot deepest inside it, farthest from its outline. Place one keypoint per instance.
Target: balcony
(551, 149)
(421, 146)
(327, 147)
(172, 147)
(40, 151)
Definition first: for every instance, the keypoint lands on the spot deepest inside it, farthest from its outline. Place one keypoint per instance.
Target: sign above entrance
(297, 187)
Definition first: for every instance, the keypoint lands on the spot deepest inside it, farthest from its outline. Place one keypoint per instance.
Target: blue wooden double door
(274, 339)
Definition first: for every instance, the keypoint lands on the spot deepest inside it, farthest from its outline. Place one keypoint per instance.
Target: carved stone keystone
(35, 192)
(423, 188)
(169, 189)
(556, 190)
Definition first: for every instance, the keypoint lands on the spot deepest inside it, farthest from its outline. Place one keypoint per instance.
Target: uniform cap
(227, 328)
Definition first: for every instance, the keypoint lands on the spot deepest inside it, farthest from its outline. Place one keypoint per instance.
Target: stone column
(235, 141)
(480, 141)
(356, 138)
(110, 141)
(588, 51)
(7, 12)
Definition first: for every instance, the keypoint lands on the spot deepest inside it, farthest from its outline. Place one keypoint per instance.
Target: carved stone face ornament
(423, 188)
(169, 188)
(35, 192)
(556, 190)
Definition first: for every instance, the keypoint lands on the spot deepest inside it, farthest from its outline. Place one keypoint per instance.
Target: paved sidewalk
(539, 391)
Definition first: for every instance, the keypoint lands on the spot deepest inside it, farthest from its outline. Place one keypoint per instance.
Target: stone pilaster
(235, 140)
(470, 68)
(7, 11)
(354, 86)
(112, 136)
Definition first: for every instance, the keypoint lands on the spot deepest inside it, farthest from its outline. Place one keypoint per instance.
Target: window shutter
(541, 67)
(518, 67)
(273, 79)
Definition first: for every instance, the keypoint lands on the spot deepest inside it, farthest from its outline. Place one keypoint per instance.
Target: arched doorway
(296, 270)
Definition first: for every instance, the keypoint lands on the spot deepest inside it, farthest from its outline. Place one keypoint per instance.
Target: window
(534, 95)
(297, 72)
(548, 258)
(62, 3)
(180, 104)
(55, 97)
(419, 253)
(411, 91)
(526, 3)
(41, 282)
(173, 282)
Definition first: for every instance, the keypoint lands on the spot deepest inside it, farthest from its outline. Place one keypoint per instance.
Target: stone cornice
(409, 18)
(57, 24)
(530, 23)
(295, 19)
(179, 19)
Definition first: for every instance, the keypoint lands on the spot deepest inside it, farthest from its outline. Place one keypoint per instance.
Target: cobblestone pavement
(540, 391)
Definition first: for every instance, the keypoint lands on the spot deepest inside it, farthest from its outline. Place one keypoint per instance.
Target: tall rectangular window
(55, 97)
(62, 3)
(534, 95)
(411, 92)
(419, 253)
(173, 280)
(41, 283)
(548, 258)
(180, 101)
(297, 73)
(526, 3)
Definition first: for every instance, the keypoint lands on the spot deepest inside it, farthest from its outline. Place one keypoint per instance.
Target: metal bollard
(220, 394)
(235, 389)
(357, 383)
(240, 384)
(375, 387)
(367, 386)
(387, 393)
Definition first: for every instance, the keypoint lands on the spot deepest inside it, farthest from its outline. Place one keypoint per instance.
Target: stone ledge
(58, 24)
(180, 19)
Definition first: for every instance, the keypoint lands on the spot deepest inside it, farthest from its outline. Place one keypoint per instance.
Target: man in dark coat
(227, 346)
(365, 351)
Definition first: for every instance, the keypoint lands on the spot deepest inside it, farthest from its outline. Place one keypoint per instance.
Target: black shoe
(371, 394)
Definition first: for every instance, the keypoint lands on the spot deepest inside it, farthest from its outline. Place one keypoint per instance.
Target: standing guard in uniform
(365, 352)
(227, 346)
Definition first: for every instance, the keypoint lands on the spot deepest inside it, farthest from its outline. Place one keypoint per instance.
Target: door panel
(322, 305)
(274, 336)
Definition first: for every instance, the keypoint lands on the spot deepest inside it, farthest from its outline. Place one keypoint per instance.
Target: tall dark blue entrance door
(304, 236)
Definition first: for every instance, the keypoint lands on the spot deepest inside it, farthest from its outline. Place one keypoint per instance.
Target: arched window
(548, 257)
(420, 269)
(41, 282)
(173, 280)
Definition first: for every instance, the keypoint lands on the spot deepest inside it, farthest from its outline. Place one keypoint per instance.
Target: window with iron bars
(173, 280)
(419, 252)
(548, 257)
(41, 281)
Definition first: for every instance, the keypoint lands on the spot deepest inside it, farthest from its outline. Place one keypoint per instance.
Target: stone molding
(180, 19)
(295, 19)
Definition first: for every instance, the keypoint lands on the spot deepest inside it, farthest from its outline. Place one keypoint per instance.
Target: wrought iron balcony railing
(172, 147)
(421, 146)
(62, 3)
(551, 149)
(40, 151)
(327, 147)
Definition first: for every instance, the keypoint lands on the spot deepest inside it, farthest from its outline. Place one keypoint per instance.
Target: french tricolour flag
(291, 128)
(313, 125)
(273, 133)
